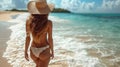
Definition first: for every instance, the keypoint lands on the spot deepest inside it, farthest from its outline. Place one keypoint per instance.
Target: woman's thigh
(44, 58)
(44, 63)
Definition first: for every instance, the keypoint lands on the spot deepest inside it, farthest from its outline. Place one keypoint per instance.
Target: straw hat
(39, 7)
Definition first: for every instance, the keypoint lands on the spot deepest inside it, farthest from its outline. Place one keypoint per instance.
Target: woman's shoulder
(28, 20)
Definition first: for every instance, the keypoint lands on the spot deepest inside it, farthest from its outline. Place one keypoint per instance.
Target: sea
(80, 40)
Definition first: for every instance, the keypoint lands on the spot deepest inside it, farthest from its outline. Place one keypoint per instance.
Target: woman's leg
(44, 58)
(43, 63)
(34, 58)
(46, 62)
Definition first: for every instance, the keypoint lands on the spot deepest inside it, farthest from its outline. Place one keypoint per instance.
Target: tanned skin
(43, 41)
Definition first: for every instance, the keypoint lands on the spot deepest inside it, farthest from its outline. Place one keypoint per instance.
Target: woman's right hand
(26, 56)
(52, 55)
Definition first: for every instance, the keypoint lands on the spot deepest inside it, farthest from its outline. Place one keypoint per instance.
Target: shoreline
(5, 16)
(4, 37)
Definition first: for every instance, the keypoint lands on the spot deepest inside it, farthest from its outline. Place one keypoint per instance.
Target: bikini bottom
(37, 51)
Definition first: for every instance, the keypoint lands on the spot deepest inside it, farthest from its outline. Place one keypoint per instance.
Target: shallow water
(79, 40)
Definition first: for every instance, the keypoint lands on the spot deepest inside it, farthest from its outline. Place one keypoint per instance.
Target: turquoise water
(105, 25)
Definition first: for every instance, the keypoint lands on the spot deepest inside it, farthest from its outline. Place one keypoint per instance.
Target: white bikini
(37, 51)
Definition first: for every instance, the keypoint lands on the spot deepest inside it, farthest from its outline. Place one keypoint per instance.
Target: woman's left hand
(26, 56)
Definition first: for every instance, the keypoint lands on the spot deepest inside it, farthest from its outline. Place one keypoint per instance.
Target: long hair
(38, 23)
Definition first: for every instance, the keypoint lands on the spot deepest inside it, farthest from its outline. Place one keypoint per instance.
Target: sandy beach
(4, 34)
(6, 15)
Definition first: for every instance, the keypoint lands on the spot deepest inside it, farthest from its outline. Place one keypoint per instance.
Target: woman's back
(40, 37)
(39, 28)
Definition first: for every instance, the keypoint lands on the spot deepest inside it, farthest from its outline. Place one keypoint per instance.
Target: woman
(40, 28)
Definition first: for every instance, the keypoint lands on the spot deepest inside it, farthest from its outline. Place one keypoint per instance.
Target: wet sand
(4, 37)
(4, 34)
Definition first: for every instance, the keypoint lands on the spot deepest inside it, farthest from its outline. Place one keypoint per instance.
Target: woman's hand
(26, 56)
(52, 55)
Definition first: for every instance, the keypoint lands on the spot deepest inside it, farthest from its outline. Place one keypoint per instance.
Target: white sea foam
(55, 19)
(66, 48)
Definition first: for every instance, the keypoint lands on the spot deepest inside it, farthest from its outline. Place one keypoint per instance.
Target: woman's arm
(50, 39)
(27, 42)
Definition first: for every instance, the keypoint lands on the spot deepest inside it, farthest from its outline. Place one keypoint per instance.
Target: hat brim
(39, 8)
